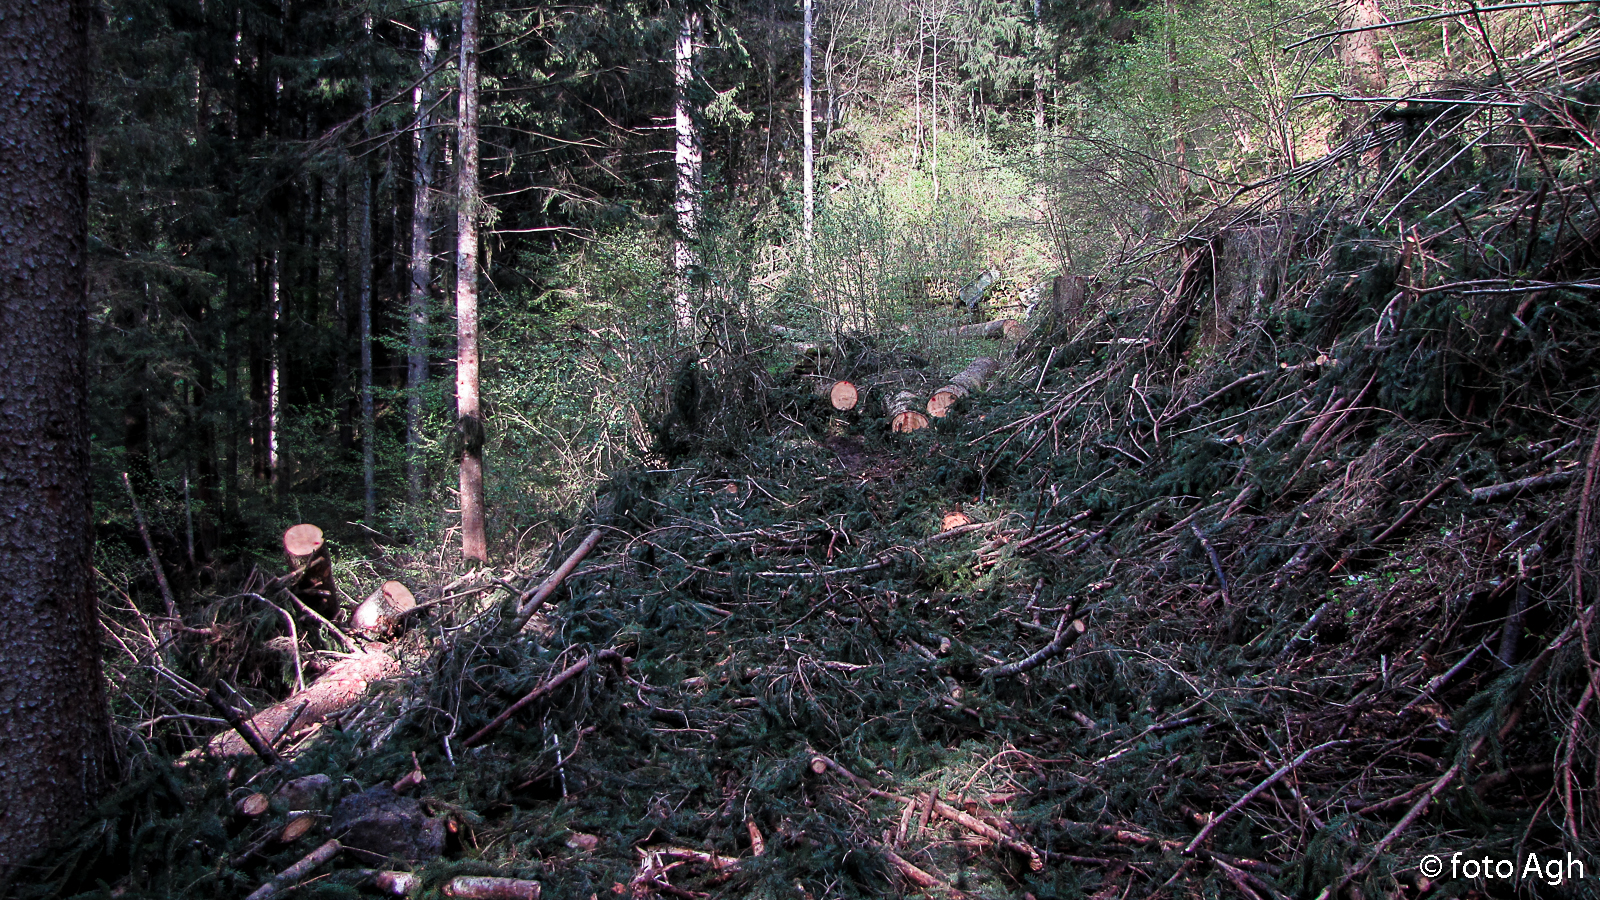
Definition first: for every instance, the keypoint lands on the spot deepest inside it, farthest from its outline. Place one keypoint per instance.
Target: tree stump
(306, 551)
(380, 610)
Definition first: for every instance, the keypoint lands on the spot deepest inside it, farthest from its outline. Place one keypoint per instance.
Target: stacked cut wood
(904, 414)
(308, 555)
(969, 381)
(842, 395)
(1010, 329)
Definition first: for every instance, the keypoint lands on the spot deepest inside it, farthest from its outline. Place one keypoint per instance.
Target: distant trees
(53, 718)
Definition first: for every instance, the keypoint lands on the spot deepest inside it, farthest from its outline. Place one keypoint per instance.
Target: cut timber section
(380, 611)
(339, 689)
(903, 413)
(1009, 329)
(308, 555)
(970, 381)
(842, 395)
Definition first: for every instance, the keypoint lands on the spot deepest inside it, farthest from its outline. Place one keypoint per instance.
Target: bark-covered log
(841, 395)
(340, 688)
(1497, 492)
(904, 414)
(1010, 329)
(288, 877)
(969, 381)
(306, 550)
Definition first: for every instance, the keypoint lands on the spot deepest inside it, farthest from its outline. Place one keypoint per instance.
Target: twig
(542, 690)
(1253, 793)
(297, 871)
(1432, 18)
(1066, 636)
(1427, 498)
(1216, 564)
(1497, 492)
(333, 629)
(150, 547)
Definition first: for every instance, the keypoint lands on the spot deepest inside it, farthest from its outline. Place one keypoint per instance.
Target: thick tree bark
(421, 257)
(687, 156)
(1364, 71)
(53, 719)
(469, 419)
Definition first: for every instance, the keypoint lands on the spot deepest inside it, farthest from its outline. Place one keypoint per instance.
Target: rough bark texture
(53, 719)
(969, 381)
(905, 412)
(340, 688)
(809, 129)
(469, 419)
(1364, 72)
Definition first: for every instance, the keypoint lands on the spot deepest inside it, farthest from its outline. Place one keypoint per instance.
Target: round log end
(1013, 330)
(939, 404)
(843, 396)
(397, 597)
(297, 827)
(302, 540)
(954, 520)
(818, 765)
(908, 421)
(253, 805)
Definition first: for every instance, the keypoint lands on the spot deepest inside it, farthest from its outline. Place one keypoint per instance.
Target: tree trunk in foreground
(53, 720)
(969, 381)
(468, 418)
(905, 412)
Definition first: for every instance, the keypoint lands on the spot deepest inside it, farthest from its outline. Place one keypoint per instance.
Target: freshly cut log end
(969, 381)
(296, 827)
(253, 805)
(954, 519)
(903, 413)
(382, 608)
(844, 396)
(302, 540)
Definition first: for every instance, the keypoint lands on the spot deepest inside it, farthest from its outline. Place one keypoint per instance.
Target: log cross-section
(969, 381)
(842, 395)
(308, 554)
(903, 412)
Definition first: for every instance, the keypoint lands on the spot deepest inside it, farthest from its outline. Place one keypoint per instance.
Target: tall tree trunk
(469, 420)
(274, 367)
(686, 249)
(1364, 72)
(260, 322)
(54, 722)
(805, 68)
(1038, 74)
(369, 420)
(421, 257)
(1180, 150)
(341, 315)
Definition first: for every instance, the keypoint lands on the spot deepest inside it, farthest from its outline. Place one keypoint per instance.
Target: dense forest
(832, 448)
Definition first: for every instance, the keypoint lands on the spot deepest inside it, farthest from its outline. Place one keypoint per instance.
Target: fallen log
(288, 877)
(1009, 329)
(903, 414)
(842, 395)
(339, 689)
(308, 553)
(969, 381)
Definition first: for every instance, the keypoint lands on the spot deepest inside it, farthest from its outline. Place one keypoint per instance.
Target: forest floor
(1250, 651)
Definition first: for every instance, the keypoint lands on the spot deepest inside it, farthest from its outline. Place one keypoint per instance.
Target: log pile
(969, 381)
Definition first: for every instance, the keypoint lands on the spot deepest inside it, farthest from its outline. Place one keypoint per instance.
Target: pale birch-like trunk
(274, 366)
(421, 258)
(474, 544)
(686, 251)
(808, 187)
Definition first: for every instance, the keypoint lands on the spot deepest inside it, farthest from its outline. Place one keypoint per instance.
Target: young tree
(686, 251)
(53, 719)
(469, 420)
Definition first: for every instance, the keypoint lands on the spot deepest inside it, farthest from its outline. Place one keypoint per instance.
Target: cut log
(969, 381)
(1495, 493)
(296, 827)
(1010, 329)
(903, 412)
(842, 395)
(253, 805)
(380, 611)
(308, 554)
(339, 689)
(485, 887)
(971, 295)
(954, 519)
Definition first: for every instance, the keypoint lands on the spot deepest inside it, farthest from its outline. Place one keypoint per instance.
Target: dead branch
(1066, 635)
(530, 602)
(1495, 493)
(1253, 793)
(572, 671)
(244, 729)
(299, 870)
